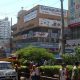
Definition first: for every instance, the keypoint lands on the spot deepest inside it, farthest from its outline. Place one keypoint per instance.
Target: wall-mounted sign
(74, 12)
(72, 42)
(30, 16)
(40, 34)
(51, 10)
(49, 23)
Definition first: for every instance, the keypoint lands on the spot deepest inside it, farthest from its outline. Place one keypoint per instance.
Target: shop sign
(40, 34)
(30, 16)
(74, 11)
(49, 23)
(51, 10)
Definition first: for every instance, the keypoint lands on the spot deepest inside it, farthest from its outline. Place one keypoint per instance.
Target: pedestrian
(37, 73)
(27, 71)
(63, 72)
(67, 74)
(45, 62)
(17, 71)
(75, 72)
(33, 73)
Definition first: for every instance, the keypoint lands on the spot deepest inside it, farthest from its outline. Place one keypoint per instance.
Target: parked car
(7, 71)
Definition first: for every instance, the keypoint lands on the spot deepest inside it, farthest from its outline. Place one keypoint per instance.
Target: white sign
(72, 42)
(30, 16)
(74, 21)
(51, 10)
(49, 23)
(40, 34)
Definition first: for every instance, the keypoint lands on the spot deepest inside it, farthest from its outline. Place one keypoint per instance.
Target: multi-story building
(39, 26)
(74, 23)
(5, 32)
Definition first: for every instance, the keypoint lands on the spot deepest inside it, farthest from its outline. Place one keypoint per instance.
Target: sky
(10, 8)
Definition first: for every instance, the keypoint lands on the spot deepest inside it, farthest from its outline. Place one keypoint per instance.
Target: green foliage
(72, 58)
(77, 50)
(69, 58)
(49, 70)
(34, 54)
(52, 70)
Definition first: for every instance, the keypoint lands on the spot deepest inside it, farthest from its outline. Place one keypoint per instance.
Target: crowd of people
(33, 72)
(64, 72)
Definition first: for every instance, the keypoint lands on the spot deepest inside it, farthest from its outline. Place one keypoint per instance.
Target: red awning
(74, 25)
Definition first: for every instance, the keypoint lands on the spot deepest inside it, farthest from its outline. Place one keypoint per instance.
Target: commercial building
(74, 23)
(39, 26)
(5, 33)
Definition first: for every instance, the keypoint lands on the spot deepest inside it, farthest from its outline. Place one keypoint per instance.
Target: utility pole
(62, 45)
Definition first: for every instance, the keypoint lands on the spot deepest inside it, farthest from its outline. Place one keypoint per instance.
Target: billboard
(49, 23)
(40, 34)
(51, 10)
(30, 16)
(74, 12)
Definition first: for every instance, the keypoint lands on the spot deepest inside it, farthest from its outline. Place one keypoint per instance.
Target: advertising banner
(40, 34)
(51, 10)
(30, 16)
(74, 12)
(49, 23)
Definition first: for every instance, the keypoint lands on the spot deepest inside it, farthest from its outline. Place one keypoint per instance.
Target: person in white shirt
(37, 73)
(62, 75)
(32, 73)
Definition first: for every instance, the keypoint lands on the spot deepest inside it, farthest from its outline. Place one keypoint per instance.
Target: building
(74, 23)
(5, 32)
(39, 26)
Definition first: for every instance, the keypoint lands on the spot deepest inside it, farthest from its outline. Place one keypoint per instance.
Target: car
(7, 72)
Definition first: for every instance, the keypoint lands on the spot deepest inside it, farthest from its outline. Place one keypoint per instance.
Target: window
(5, 66)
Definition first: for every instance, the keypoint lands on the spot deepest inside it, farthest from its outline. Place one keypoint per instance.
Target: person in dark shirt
(28, 71)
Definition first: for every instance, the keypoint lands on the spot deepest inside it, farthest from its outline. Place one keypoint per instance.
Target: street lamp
(62, 45)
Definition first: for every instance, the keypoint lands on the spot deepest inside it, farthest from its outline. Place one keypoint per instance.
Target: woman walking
(33, 73)
(63, 73)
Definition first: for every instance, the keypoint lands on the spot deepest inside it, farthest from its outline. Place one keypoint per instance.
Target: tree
(69, 58)
(34, 54)
(72, 58)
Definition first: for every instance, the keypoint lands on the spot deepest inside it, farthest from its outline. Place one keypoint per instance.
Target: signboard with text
(51, 11)
(74, 12)
(30, 16)
(49, 23)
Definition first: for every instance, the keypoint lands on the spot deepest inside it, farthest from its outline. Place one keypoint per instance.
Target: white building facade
(5, 32)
